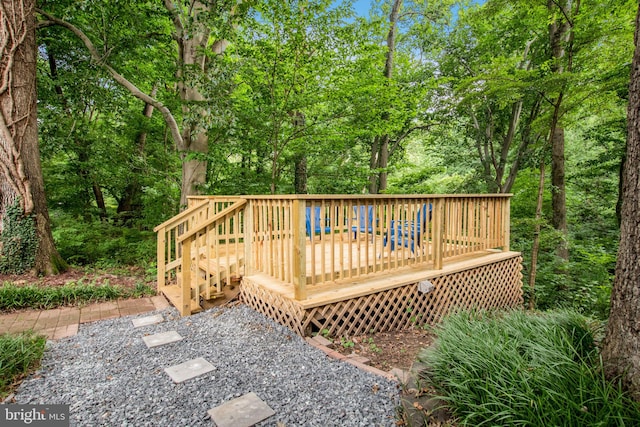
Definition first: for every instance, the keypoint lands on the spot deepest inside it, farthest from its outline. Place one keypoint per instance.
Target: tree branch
(166, 113)
(176, 18)
(408, 132)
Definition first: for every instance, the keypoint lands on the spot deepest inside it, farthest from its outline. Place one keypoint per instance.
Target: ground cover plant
(19, 353)
(516, 368)
(13, 297)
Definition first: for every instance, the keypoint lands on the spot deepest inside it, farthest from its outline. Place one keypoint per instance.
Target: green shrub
(18, 354)
(102, 243)
(14, 297)
(18, 241)
(520, 369)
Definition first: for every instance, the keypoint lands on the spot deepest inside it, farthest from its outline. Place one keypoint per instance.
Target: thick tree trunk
(620, 352)
(194, 136)
(619, 200)
(19, 124)
(192, 44)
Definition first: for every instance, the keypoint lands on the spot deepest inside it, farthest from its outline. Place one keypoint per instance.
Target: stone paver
(189, 369)
(161, 338)
(148, 320)
(244, 411)
(63, 322)
(160, 302)
(143, 305)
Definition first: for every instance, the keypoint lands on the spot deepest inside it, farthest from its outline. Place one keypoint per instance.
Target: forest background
(526, 97)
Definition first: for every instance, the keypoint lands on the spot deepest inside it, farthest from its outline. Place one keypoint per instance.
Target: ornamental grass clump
(18, 355)
(516, 368)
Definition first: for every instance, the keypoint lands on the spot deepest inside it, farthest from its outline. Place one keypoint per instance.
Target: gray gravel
(109, 377)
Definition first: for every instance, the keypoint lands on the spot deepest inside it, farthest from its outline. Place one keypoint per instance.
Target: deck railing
(310, 241)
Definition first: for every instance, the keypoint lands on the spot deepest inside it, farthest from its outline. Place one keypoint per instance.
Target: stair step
(174, 295)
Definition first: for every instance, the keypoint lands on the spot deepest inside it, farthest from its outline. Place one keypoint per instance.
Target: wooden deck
(288, 270)
(330, 292)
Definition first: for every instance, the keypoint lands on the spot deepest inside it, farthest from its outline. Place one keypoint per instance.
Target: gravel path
(109, 377)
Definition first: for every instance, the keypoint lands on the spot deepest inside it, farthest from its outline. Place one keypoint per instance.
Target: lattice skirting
(496, 285)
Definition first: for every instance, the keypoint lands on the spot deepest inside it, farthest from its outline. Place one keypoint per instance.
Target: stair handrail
(223, 213)
(178, 218)
(185, 240)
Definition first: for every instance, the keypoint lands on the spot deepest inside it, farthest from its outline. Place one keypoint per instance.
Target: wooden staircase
(212, 233)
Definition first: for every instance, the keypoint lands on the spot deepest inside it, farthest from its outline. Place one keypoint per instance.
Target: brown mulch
(387, 350)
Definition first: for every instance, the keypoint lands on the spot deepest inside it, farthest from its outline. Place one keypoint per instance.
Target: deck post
(299, 249)
(438, 233)
(506, 224)
(185, 308)
(249, 267)
(162, 235)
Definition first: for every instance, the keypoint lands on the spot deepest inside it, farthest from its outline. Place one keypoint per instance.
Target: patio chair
(363, 219)
(408, 233)
(318, 218)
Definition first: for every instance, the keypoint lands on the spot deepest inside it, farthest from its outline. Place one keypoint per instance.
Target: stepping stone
(162, 338)
(244, 411)
(190, 369)
(149, 320)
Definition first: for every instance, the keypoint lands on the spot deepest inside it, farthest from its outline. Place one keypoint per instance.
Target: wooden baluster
(438, 233)
(249, 235)
(342, 221)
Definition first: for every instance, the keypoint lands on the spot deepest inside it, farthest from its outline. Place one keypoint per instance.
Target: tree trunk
(619, 200)
(300, 179)
(373, 166)
(380, 148)
(622, 341)
(383, 162)
(194, 136)
(536, 239)
(300, 158)
(560, 35)
(19, 126)
(558, 192)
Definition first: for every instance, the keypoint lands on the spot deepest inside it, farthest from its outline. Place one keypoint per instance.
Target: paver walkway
(63, 322)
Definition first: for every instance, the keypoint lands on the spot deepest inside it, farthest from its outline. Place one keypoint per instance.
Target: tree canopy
(142, 103)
